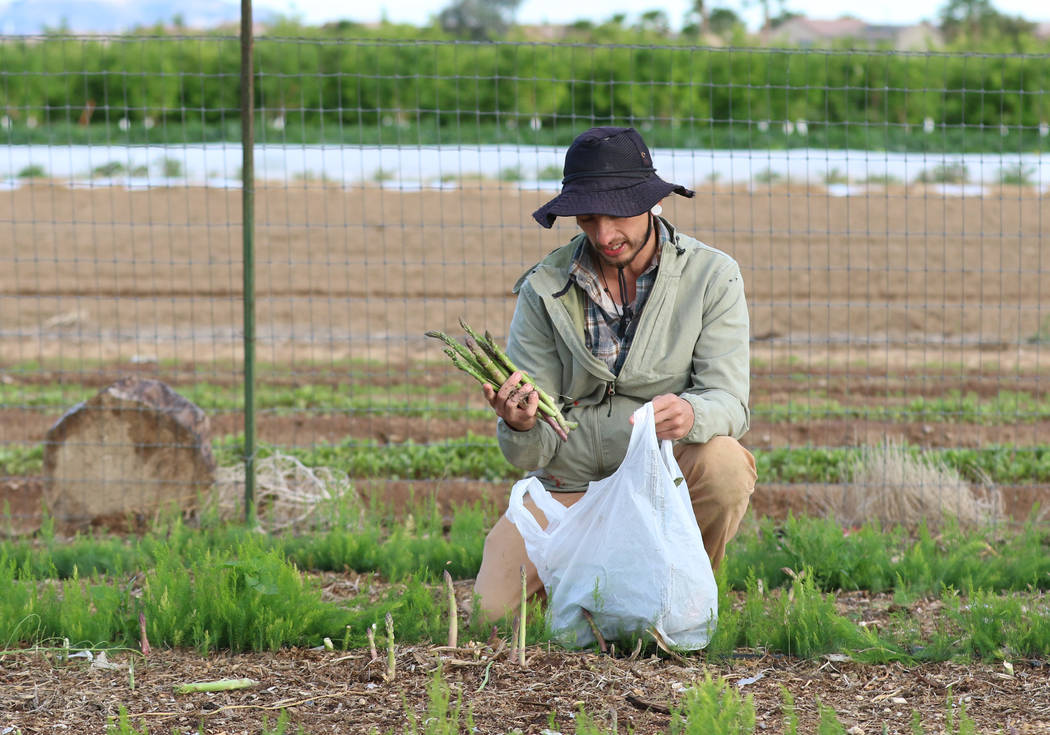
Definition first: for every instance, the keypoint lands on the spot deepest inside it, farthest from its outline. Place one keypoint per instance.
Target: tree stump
(119, 458)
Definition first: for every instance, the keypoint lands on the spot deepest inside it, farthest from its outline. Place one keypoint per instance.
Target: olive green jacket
(692, 340)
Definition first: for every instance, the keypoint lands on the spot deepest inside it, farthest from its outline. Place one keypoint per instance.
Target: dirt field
(866, 300)
(897, 275)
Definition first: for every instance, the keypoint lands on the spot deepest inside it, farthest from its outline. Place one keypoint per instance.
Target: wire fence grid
(888, 211)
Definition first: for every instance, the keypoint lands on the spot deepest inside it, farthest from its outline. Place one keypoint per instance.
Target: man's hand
(673, 416)
(515, 402)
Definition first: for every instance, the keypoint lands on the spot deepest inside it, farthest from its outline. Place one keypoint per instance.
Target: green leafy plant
(33, 171)
(553, 172)
(835, 176)
(1016, 174)
(945, 173)
(112, 168)
(881, 179)
(171, 168)
(767, 176)
(511, 174)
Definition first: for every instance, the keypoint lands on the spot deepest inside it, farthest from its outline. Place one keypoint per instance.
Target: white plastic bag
(629, 551)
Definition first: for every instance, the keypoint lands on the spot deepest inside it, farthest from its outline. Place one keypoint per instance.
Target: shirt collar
(584, 270)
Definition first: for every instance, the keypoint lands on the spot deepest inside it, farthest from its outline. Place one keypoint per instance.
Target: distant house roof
(803, 31)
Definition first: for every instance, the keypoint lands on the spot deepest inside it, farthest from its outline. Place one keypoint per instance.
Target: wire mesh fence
(888, 211)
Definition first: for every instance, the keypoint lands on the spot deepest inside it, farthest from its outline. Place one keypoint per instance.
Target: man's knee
(722, 469)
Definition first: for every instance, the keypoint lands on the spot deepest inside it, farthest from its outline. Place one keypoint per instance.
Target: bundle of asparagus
(480, 357)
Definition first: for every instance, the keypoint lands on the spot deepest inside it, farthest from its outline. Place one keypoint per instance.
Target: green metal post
(248, 220)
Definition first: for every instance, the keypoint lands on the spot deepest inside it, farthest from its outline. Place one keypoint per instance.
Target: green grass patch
(228, 588)
(365, 395)
(799, 620)
(373, 541)
(354, 398)
(883, 560)
(473, 457)
(18, 459)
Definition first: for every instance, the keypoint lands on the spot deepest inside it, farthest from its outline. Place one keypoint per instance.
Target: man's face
(616, 240)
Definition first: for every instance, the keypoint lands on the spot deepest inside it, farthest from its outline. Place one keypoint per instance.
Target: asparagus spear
(482, 359)
(505, 363)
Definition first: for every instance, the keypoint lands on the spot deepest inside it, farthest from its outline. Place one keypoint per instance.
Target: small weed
(768, 176)
(945, 173)
(881, 180)
(790, 712)
(835, 176)
(550, 173)
(585, 724)
(958, 724)
(171, 168)
(713, 707)
(33, 171)
(280, 727)
(1042, 335)
(443, 716)
(307, 177)
(123, 726)
(1016, 175)
(511, 174)
(800, 621)
(106, 170)
(828, 722)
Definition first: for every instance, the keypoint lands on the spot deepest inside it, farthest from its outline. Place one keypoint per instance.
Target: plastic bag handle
(643, 433)
(667, 452)
(551, 508)
(643, 439)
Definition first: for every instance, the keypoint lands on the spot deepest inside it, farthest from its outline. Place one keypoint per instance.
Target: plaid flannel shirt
(603, 315)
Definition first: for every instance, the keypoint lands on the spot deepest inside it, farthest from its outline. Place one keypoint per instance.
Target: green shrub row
(249, 598)
(867, 558)
(419, 83)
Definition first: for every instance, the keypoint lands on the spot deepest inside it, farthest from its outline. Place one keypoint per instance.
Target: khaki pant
(720, 475)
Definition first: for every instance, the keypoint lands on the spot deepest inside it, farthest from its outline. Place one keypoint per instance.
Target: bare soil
(900, 274)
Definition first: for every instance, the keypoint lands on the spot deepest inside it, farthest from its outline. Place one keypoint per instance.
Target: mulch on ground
(348, 691)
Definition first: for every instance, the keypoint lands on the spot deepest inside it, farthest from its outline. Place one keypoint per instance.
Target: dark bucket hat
(608, 170)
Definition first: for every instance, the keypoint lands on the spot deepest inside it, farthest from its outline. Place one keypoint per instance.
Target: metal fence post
(248, 225)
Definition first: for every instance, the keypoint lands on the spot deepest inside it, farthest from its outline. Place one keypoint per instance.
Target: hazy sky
(560, 11)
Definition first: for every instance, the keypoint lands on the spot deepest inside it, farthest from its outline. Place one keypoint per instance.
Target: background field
(900, 312)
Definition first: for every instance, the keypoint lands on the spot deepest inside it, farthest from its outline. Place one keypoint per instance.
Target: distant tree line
(349, 75)
(961, 21)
